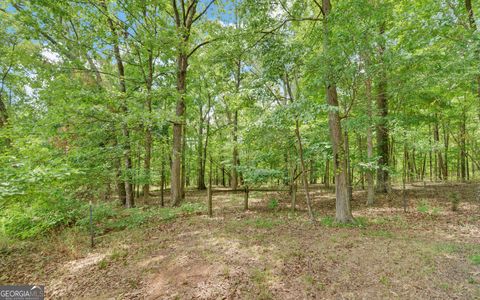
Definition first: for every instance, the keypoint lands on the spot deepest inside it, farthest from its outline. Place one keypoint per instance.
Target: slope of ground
(271, 252)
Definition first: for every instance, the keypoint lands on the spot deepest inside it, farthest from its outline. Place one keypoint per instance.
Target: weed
(445, 286)
(118, 254)
(475, 259)
(455, 200)
(103, 264)
(446, 248)
(384, 280)
(260, 277)
(265, 223)
(423, 207)
(272, 204)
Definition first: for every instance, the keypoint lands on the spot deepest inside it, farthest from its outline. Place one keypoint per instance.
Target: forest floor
(270, 252)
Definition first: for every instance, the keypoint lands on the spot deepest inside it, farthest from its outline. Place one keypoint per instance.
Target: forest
(240, 149)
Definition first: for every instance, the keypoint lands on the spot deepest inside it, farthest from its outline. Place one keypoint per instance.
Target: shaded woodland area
(204, 149)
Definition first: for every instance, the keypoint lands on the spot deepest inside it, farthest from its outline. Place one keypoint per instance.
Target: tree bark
(184, 157)
(184, 19)
(382, 126)
(234, 177)
(129, 196)
(369, 173)
(176, 181)
(200, 160)
(343, 212)
(473, 26)
(463, 150)
(148, 130)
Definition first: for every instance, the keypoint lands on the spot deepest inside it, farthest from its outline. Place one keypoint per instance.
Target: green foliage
(40, 218)
(272, 204)
(262, 223)
(475, 259)
(423, 207)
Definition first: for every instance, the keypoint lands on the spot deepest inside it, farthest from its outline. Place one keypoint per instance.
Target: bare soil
(270, 252)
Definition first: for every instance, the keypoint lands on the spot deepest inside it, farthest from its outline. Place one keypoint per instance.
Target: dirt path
(278, 254)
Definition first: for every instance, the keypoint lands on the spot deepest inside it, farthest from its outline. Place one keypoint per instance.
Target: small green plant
(446, 248)
(118, 254)
(475, 259)
(263, 223)
(455, 200)
(272, 204)
(384, 280)
(103, 264)
(445, 286)
(423, 207)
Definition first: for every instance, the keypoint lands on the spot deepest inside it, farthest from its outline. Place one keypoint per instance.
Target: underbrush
(43, 218)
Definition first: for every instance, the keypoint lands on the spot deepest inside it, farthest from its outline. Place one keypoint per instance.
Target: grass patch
(260, 278)
(108, 217)
(446, 248)
(262, 223)
(475, 259)
(328, 221)
(379, 233)
(425, 208)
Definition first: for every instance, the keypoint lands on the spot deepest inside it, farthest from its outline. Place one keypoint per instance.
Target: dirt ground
(270, 252)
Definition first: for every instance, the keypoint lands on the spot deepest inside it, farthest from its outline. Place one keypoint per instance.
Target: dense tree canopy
(122, 100)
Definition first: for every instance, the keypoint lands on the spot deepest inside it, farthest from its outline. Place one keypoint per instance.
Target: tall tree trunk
(327, 173)
(473, 26)
(122, 194)
(370, 181)
(463, 150)
(349, 169)
(129, 199)
(343, 212)
(176, 181)
(446, 143)
(184, 166)
(234, 177)
(148, 130)
(436, 138)
(184, 18)
(200, 160)
(382, 126)
(304, 170)
(300, 151)
(3, 111)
